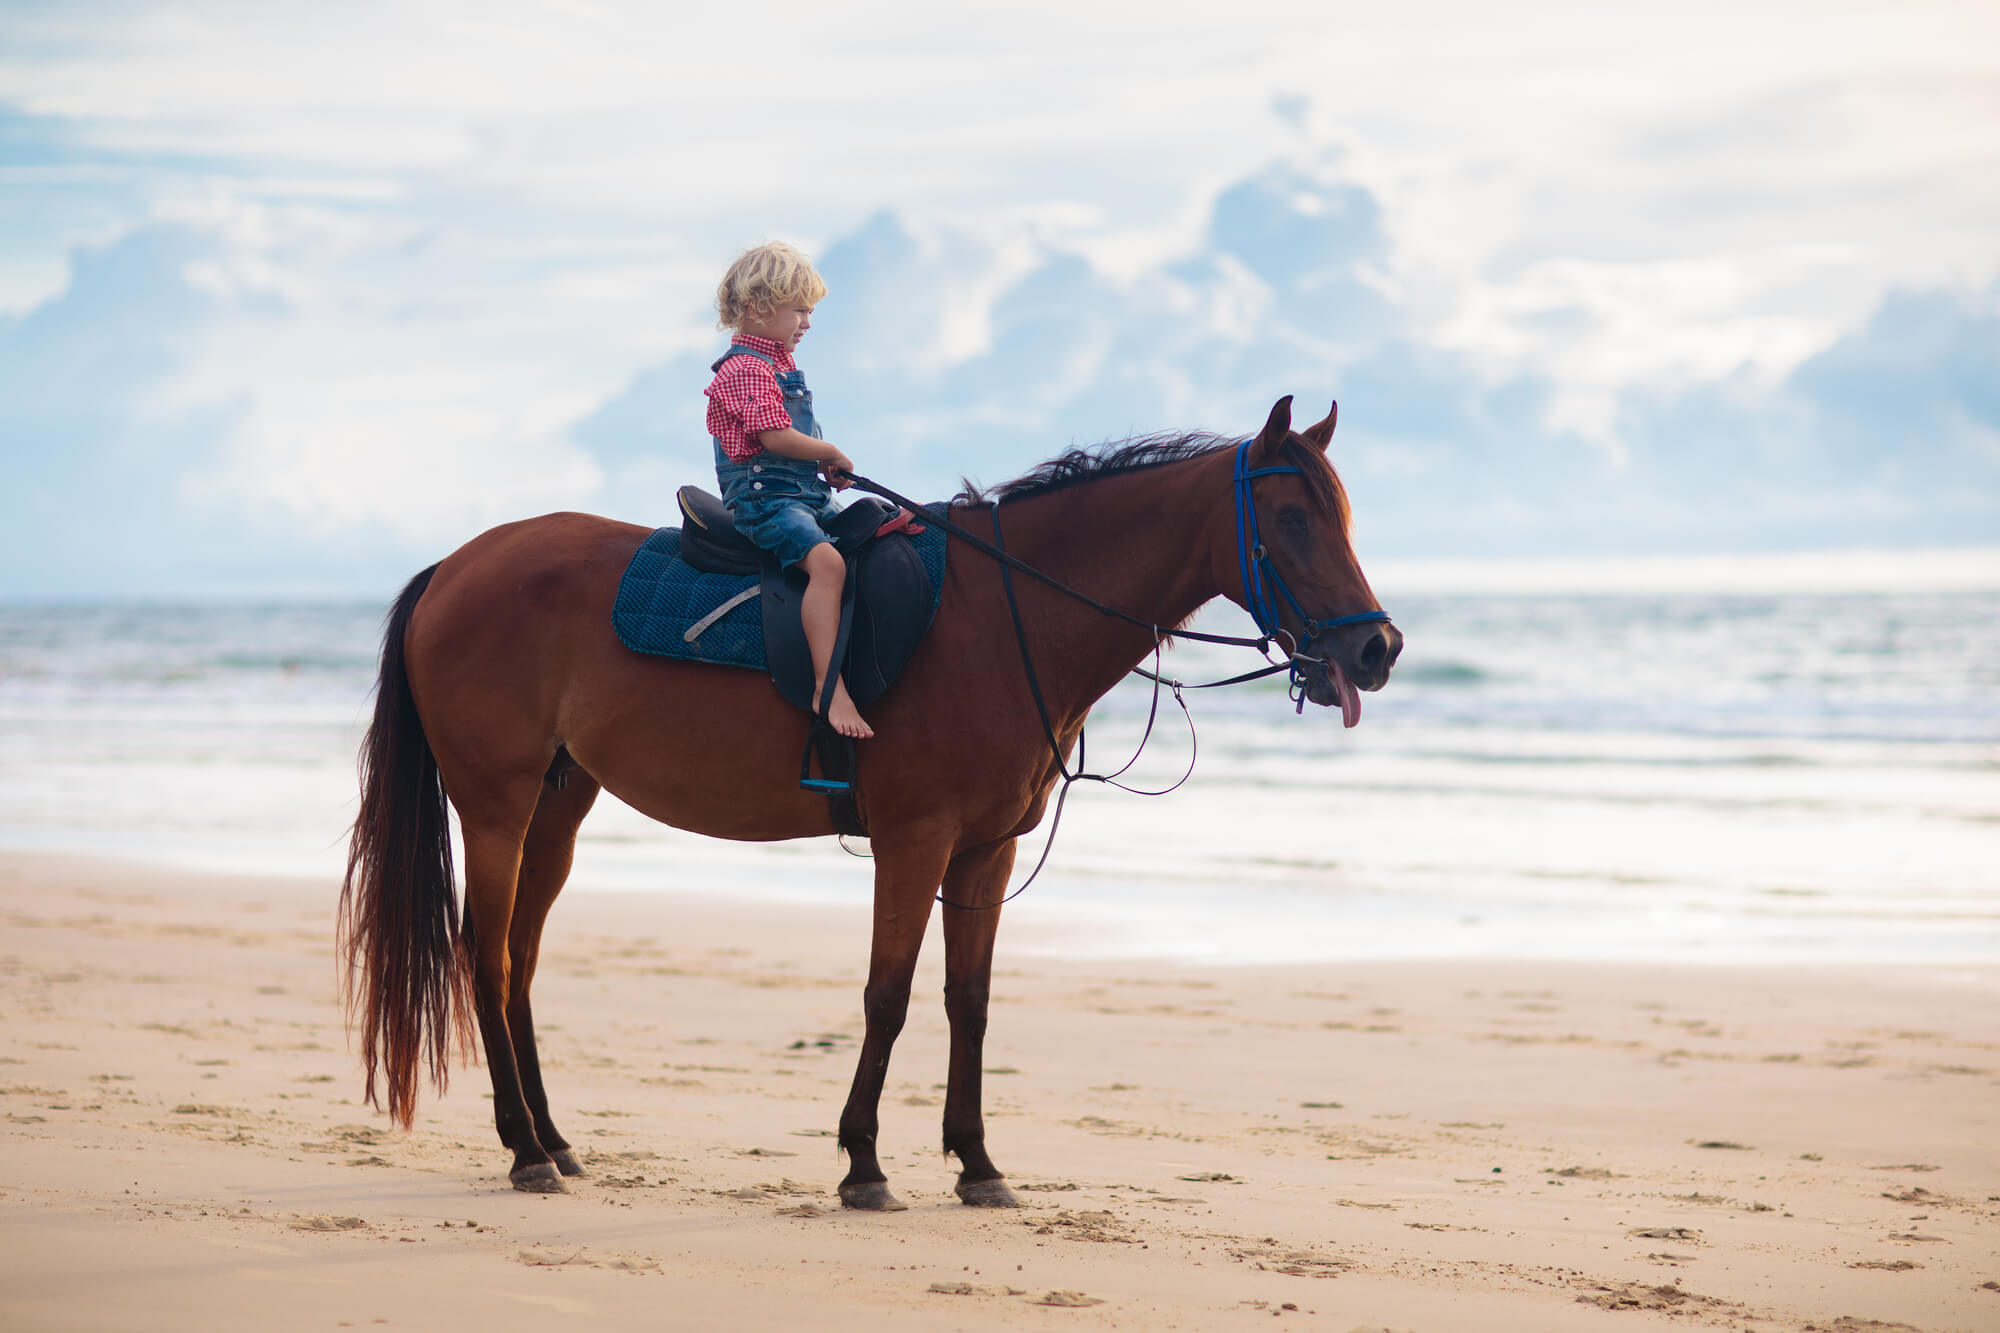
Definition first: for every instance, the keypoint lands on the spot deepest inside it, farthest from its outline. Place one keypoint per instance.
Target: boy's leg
(819, 613)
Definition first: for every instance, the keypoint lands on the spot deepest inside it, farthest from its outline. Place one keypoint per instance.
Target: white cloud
(446, 232)
(1596, 328)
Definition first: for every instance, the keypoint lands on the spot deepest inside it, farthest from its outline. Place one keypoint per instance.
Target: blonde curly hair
(763, 278)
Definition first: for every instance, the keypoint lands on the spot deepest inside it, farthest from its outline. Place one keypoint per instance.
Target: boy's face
(783, 324)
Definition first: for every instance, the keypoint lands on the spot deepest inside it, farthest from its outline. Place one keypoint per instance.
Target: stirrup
(836, 754)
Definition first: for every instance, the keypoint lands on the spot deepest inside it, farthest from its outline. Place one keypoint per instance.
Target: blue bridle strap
(1261, 578)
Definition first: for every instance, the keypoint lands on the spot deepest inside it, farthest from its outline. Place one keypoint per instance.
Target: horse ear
(1320, 433)
(1277, 428)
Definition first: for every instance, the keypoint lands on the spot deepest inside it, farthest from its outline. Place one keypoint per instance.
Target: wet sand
(1427, 1146)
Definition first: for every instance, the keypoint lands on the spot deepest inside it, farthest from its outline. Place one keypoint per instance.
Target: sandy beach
(1422, 1146)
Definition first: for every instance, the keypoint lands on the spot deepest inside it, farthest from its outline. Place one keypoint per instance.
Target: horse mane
(1115, 458)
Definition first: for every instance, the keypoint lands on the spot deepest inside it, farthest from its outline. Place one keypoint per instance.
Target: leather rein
(1263, 585)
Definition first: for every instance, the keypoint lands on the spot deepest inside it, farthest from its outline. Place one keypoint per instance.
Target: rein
(1261, 580)
(984, 547)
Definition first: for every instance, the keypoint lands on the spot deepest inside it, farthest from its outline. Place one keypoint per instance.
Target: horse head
(1300, 530)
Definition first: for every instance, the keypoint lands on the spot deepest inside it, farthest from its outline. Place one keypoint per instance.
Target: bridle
(1261, 577)
(1261, 580)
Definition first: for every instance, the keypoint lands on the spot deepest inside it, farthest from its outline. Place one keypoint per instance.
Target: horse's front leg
(906, 880)
(977, 878)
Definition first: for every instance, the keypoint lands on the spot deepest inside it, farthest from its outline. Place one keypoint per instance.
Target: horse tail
(406, 970)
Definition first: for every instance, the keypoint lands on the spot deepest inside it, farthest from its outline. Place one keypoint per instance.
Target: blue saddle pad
(661, 597)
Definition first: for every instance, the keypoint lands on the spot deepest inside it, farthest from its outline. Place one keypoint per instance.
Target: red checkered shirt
(744, 397)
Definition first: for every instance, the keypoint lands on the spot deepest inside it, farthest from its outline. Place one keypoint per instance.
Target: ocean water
(1694, 776)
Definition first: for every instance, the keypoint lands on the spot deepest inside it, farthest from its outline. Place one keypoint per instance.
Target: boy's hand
(835, 470)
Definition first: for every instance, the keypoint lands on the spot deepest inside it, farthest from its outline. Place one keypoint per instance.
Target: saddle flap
(892, 595)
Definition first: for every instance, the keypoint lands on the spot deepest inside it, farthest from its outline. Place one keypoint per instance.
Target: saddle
(711, 543)
(885, 607)
(685, 592)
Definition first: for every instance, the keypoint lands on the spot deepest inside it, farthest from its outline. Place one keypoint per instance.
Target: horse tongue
(1350, 698)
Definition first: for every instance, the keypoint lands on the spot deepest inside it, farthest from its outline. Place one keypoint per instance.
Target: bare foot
(844, 716)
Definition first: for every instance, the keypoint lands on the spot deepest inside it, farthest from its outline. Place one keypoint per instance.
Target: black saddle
(886, 607)
(711, 543)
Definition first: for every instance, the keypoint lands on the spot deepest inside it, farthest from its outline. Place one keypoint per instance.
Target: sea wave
(1800, 776)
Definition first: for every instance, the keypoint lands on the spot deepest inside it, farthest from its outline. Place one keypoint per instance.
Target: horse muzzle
(1342, 662)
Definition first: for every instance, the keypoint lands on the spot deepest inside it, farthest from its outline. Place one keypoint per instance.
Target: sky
(296, 298)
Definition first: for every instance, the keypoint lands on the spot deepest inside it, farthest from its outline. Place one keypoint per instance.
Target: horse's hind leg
(494, 823)
(978, 878)
(545, 863)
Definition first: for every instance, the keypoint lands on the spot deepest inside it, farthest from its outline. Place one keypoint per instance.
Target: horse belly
(712, 750)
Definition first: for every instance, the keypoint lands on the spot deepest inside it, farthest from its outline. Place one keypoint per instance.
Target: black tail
(398, 923)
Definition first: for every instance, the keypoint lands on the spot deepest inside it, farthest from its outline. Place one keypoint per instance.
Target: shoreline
(1217, 915)
(1417, 1145)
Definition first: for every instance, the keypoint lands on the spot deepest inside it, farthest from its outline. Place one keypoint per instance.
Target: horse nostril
(1375, 651)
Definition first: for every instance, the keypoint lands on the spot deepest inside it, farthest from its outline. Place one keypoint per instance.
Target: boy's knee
(824, 559)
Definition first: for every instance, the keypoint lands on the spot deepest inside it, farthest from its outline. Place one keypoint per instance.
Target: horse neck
(1142, 542)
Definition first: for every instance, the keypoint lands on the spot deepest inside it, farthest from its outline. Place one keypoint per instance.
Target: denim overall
(779, 503)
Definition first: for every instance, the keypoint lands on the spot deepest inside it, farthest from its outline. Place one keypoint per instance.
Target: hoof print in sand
(1271, 1257)
(548, 1258)
(1072, 1299)
(581, 1259)
(1636, 1296)
(1103, 1227)
(767, 1189)
(322, 1222)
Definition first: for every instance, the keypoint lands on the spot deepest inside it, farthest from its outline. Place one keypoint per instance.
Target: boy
(774, 468)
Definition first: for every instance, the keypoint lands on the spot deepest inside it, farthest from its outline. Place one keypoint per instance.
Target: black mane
(1115, 458)
(1075, 466)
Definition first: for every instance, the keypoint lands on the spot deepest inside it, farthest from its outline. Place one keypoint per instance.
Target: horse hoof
(566, 1162)
(540, 1178)
(872, 1196)
(986, 1194)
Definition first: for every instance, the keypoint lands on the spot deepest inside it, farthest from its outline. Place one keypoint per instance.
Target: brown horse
(504, 691)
